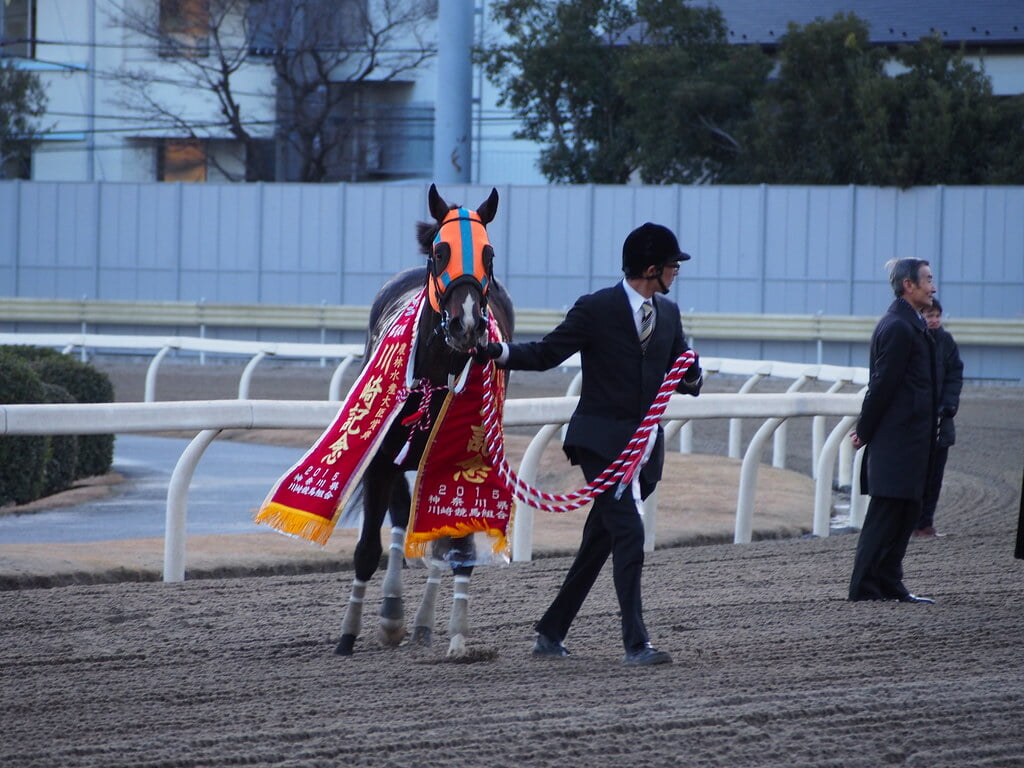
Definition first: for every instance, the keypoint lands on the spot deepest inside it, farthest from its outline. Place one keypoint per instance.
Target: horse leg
(391, 624)
(368, 553)
(423, 626)
(462, 551)
(458, 625)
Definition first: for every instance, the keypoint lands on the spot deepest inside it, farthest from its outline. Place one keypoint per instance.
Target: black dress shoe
(545, 646)
(647, 657)
(909, 598)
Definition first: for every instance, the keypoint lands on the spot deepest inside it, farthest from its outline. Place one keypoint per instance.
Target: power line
(251, 48)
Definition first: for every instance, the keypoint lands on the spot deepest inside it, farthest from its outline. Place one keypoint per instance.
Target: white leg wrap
(392, 612)
(354, 611)
(458, 626)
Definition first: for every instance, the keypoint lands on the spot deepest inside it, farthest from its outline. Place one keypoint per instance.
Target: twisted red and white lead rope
(623, 469)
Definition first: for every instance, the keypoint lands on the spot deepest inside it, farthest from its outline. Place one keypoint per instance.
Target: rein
(622, 470)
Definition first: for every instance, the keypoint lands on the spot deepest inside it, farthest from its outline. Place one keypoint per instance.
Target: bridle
(461, 253)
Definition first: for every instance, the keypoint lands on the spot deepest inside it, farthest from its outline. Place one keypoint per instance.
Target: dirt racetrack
(772, 666)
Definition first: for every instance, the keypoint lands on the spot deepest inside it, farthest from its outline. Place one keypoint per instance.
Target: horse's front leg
(458, 625)
(462, 555)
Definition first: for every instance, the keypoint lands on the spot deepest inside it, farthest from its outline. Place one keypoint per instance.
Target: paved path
(230, 481)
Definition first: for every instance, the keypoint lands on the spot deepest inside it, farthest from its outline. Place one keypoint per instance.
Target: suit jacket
(620, 379)
(951, 381)
(898, 416)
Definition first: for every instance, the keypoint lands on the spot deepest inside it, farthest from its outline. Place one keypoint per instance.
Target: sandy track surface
(772, 666)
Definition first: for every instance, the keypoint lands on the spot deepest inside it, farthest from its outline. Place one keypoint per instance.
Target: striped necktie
(646, 323)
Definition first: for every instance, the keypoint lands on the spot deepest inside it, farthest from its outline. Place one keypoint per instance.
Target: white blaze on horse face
(468, 320)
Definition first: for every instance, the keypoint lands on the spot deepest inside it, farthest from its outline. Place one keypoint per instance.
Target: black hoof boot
(423, 636)
(345, 645)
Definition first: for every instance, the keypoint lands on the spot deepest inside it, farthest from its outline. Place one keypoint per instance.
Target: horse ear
(438, 207)
(488, 207)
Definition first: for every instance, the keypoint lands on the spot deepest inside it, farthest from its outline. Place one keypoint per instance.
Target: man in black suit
(628, 335)
(897, 424)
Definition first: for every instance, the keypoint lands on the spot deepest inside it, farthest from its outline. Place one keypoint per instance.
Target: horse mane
(426, 232)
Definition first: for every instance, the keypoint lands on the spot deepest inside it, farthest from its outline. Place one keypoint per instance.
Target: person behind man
(951, 381)
(897, 428)
(628, 336)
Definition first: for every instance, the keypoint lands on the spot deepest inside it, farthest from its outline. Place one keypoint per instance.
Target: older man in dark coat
(897, 426)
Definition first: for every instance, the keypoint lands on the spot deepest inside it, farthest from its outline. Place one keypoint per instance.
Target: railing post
(150, 395)
(779, 443)
(177, 505)
(522, 532)
(250, 369)
(823, 483)
(736, 425)
(748, 481)
(818, 432)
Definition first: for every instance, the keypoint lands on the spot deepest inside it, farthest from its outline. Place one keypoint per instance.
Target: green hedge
(22, 458)
(86, 385)
(62, 454)
(34, 466)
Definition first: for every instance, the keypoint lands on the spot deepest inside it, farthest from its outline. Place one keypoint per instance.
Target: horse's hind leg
(378, 484)
(423, 626)
(366, 561)
(391, 625)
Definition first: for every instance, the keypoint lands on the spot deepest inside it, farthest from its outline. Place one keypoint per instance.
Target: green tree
(613, 88)
(22, 103)
(558, 73)
(802, 125)
(687, 92)
(937, 123)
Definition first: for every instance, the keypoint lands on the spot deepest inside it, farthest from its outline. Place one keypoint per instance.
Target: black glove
(693, 372)
(489, 351)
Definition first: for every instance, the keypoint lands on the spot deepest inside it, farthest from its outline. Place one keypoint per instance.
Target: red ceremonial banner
(457, 491)
(307, 501)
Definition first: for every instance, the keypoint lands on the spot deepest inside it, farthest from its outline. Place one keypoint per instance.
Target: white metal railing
(999, 332)
(161, 345)
(211, 416)
(801, 375)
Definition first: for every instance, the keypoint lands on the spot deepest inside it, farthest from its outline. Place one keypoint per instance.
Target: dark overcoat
(898, 416)
(620, 379)
(951, 382)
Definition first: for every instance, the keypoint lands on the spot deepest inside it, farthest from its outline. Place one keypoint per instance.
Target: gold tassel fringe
(295, 522)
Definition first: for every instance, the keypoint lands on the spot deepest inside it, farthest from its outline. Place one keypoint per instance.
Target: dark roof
(978, 23)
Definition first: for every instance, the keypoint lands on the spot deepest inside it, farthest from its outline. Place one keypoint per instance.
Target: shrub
(62, 454)
(22, 458)
(86, 385)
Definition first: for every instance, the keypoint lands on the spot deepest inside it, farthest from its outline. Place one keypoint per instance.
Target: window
(181, 160)
(185, 27)
(17, 28)
(18, 163)
(278, 26)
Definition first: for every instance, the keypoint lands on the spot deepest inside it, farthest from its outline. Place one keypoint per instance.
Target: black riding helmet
(650, 245)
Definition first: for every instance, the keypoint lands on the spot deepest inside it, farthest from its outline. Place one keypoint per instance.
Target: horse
(462, 292)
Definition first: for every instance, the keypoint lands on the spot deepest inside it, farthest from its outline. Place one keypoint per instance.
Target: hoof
(457, 647)
(423, 636)
(390, 633)
(345, 645)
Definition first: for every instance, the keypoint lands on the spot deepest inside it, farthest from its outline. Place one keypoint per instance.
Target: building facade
(133, 94)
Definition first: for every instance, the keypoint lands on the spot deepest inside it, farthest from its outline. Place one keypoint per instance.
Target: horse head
(460, 268)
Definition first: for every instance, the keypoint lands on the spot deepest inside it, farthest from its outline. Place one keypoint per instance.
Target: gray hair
(903, 269)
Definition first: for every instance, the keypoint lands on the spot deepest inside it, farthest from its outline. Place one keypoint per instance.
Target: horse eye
(442, 254)
(488, 256)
